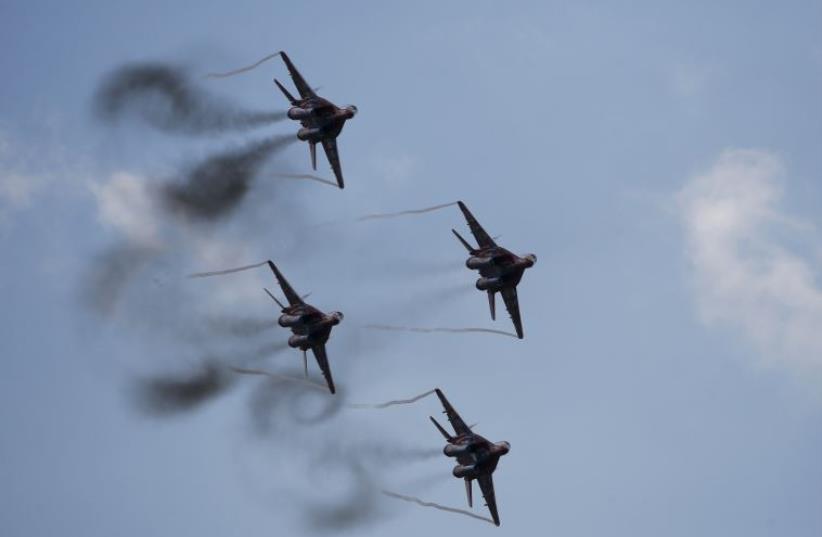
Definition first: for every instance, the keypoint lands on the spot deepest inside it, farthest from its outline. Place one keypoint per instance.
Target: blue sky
(662, 161)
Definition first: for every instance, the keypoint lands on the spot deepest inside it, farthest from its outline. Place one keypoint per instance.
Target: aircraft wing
(483, 239)
(456, 421)
(322, 361)
(288, 291)
(486, 484)
(302, 86)
(330, 147)
(509, 296)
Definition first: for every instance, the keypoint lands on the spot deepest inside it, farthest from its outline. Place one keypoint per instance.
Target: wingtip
(461, 204)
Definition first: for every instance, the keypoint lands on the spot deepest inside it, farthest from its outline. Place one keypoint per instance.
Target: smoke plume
(216, 186)
(164, 97)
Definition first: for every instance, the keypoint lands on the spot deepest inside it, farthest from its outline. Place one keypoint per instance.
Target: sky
(662, 161)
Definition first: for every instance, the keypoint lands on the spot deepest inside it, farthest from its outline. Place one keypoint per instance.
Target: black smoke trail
(110, 273)
(163, 96)
(162, 396)
(358, 506)
(217, 185)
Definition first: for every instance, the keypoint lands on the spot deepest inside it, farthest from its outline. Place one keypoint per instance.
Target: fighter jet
(477, 457)
(311, 328)
(322, 121)
(500, 270)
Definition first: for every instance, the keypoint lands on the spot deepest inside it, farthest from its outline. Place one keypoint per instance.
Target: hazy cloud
(127, 204)
(742, 247)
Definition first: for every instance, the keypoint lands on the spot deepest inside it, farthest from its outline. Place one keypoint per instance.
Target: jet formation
(499, 269)
(321, 120)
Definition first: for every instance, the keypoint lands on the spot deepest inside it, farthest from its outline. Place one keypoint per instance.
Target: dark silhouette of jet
(321, 119)
(477, 457)
(311, 328)
(500, 270)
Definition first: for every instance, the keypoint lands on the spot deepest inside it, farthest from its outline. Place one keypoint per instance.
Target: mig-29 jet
(311, 328)
(500, 270)
(477, 457)
(322, 121)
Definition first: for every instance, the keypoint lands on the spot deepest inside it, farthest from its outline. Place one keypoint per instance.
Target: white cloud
(127, 203)
(17, 184)
(745, 274)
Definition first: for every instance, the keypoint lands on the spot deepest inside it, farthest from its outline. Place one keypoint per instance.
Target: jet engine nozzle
(476, 263)
(485, 284)
(297, 113)
(306, 134)
(298, 342)
(287, 321)
(464, 471)
(453, 450)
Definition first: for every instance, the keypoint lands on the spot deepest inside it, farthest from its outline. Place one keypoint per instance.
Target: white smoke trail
(412, 499)
(394, 402)
(305, 176)
(242, 69)
(246, 371)
(403, 213)
(430, 330)
(227, 271)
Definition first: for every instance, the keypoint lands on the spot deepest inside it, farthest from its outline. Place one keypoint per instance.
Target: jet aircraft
(311, 328)
(321, 120)
(500, 270)
(477, 457)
